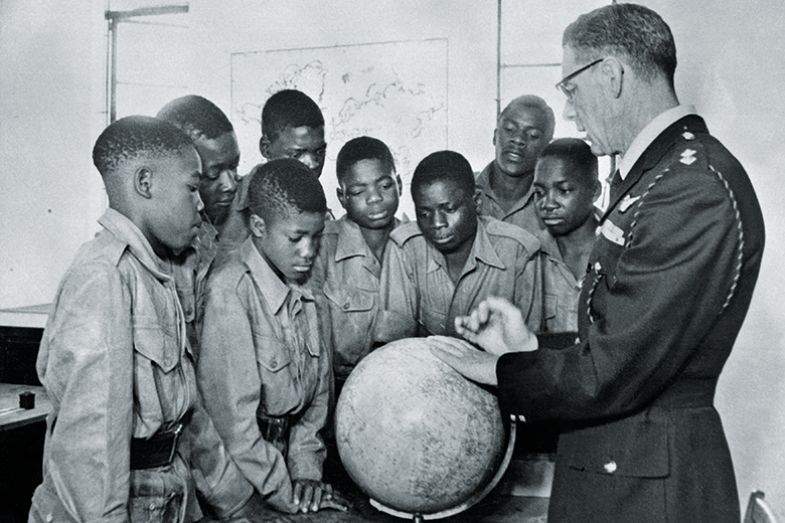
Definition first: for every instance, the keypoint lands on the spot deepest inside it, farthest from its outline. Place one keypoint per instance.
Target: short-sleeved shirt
(262, 357)
(116, 365)
(523, 213)
(347, 275)
(561, 291)
(418, 297)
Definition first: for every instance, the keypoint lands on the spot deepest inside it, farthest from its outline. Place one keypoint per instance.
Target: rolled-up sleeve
(229, 381)
(86, 364)
(398, 298)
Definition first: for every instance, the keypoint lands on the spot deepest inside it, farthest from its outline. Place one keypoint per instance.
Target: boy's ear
(264, 146)
(341, 196)
(595, 195)
(477, 197)
(494, 136)
(257, 225)
(143, 182)
(400, 184)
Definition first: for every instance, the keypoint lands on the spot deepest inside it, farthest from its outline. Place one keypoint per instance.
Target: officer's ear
(258, 226)
(613, 73)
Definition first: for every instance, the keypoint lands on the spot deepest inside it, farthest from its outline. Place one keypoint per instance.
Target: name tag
(612, 232)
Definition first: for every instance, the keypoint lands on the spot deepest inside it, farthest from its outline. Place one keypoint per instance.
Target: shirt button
(610, 467)
(274, 363)
(189, 311)
(346, 305)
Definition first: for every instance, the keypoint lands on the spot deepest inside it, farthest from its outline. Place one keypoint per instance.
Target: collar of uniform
(548, 244)
(649, 133)
(482, 250)
(273, 289)
(126, 231)
(207, 232)
(483, 182)
(350, 240)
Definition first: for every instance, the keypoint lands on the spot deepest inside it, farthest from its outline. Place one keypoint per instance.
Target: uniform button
(189, 311)
(49, 518)
(597, 267)
(610, 467)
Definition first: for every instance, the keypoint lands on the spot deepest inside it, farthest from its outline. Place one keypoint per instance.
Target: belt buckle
(175, 439)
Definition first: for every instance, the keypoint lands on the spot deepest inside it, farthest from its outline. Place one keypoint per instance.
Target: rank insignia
(627, 202)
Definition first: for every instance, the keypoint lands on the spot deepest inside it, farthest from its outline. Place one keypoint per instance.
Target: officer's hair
(363, 148)
(289, 108)
(444, 166)
(196, 116)
(535, 102)
(629, 31)
(134, 137)
(283, 186)
(577, 156)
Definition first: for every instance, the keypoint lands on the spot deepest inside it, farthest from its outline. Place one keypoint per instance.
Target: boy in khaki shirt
(450, 260)
(263, 369)
(348, 268)
(127, 425)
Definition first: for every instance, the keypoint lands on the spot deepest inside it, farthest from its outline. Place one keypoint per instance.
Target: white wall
(51, 98)
(50, 103)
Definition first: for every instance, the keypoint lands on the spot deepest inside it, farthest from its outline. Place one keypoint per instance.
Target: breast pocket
(278, 390)
(353, 312)
(155, 347)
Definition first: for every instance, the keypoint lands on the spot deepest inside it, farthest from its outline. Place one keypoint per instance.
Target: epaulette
(332, 227)
(499, 228)
(690, 151)
(404, 232)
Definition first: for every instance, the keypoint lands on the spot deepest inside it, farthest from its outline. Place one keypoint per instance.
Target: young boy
(292, 127)
(127, 422)
(447, 262)
(565, 187)
(263, 370)
(214, 139)
(349, 265)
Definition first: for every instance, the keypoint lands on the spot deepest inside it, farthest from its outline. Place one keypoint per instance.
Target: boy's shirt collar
(483, 182)
(351, 241)
(126, 231)
(274, 290)
(482, 250)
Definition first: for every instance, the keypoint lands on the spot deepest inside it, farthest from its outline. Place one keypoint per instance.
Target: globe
(417, 437)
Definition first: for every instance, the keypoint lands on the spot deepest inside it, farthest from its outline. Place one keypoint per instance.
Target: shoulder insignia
(404, 232)
(687, 135)
(508, 230)
(612, 233)
(688, 156)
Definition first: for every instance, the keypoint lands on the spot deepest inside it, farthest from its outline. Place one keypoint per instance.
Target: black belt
(155, 451)
(274, 429)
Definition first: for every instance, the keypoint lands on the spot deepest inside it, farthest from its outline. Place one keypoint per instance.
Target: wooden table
(12, 417)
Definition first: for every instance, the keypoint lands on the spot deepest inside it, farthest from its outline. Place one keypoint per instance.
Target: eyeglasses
(569, 90)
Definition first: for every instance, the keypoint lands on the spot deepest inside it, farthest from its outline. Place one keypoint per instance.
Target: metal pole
(498, 58)
(112, 99)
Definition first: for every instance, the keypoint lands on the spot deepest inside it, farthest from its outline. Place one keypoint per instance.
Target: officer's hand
(467, 360)
(497, 326)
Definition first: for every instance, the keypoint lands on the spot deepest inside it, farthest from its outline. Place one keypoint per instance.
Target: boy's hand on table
(310, 495)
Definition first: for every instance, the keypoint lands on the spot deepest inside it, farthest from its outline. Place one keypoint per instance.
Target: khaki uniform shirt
(116, 365)
(262, 356)
(523, 213)
(419, 298)
(346, 275)
(561, 291)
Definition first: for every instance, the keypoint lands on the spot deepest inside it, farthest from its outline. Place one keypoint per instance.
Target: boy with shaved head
(523, 128)
(450, 259)
(264, 370)
(127, 423)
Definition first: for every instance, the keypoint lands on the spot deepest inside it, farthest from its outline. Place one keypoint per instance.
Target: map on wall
(394, 91)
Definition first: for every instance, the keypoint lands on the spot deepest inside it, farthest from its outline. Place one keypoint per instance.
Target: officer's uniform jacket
(523, 213)
(264, 374)
(418, 296)
(669, 284)
(346, 276)
(116, 365)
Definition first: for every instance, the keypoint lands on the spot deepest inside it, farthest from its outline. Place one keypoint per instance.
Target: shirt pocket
(276, 372)
(156, 346)
(432, 320)
(353, 313)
